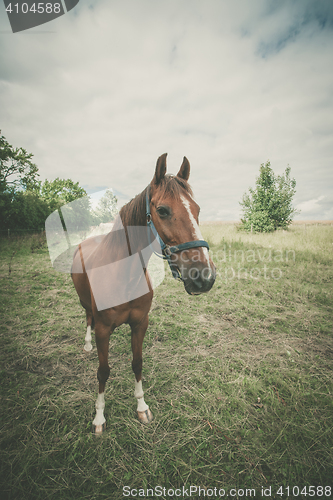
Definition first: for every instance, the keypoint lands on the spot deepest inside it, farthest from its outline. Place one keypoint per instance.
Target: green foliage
(76, 212)
(23, 210)
(269, 206)
(61, 191)
(16, 168)
(106, 209)
(20, 206)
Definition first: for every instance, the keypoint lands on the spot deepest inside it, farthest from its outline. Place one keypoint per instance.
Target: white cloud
(310, 206)
(316, 208)
(229, 85)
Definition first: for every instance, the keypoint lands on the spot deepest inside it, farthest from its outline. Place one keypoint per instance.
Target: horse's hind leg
(90, 326)
(138, 332)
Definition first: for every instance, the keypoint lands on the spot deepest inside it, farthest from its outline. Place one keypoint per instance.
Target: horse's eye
(163, 211)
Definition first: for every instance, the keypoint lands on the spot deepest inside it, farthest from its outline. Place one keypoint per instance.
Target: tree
(106, 209)
(269, 206)
(61, 191)
(20, 207)
(75, 212)
(16, 168)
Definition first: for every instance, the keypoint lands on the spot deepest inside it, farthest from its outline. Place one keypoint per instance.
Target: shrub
(269, 206)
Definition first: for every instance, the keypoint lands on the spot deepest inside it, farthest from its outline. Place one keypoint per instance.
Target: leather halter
(168, 250)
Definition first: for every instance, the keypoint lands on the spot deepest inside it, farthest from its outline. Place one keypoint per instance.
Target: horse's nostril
(203, 281)
(198, 282)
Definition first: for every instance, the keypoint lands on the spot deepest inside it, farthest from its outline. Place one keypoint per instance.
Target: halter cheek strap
(167, 250)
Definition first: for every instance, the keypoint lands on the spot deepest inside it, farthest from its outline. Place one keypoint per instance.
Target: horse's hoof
(98, 429)
(145, 417)
(88, 347)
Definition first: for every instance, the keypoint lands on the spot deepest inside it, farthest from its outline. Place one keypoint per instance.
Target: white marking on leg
(138, 393)
(196, 230)
(87, 345)
(99, 405)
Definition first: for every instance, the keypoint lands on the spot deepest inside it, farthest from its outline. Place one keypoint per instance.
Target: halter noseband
(167, 250)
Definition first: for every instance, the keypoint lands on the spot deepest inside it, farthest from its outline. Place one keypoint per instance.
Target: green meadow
(239, 380)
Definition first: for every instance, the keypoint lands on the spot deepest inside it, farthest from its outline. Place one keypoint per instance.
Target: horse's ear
(184, 171)
(160, 169)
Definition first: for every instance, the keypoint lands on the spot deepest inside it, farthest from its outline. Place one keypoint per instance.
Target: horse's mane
(134, 212)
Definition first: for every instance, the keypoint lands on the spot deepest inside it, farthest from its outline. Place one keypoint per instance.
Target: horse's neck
(134, 212)
(129, 233)
(133, 221)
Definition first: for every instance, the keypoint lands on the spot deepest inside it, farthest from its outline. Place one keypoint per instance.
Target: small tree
(106, 209)
(268, 206)
(73, 200)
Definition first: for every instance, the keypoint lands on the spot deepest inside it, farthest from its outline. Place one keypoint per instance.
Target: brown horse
(110, 272)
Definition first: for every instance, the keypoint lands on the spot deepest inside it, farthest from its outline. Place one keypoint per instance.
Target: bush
(269, 207)
(259, 222)
(23, 210)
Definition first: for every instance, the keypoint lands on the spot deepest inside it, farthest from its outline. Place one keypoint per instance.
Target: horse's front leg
(102, 336)
(138, 332)
(87, 340)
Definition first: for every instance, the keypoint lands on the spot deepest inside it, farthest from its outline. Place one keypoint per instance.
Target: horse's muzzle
(199, 280)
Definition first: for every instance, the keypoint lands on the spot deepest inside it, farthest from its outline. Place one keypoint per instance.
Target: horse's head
(175, 216)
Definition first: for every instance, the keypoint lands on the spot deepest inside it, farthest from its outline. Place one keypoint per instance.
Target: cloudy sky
(99, 93)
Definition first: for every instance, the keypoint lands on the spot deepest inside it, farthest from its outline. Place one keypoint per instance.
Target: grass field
(239, 380)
